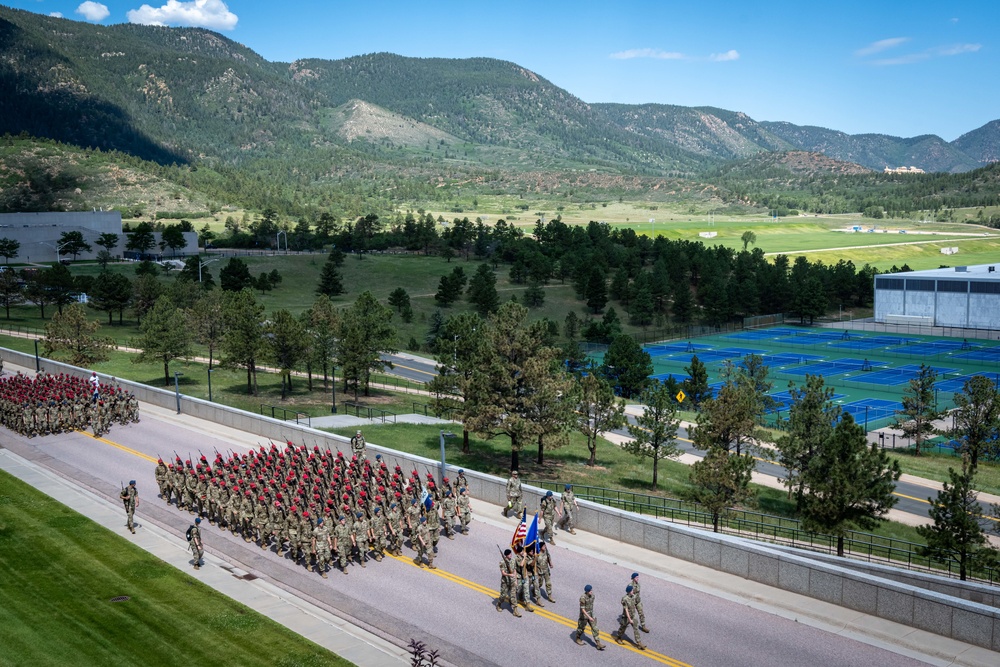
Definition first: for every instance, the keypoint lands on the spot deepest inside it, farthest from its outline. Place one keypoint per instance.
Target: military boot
(578, 639)
(600, 646)
(618, 638)
(517, 614)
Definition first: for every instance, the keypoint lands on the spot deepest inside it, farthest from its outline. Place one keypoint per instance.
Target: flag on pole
(521, 530)
(531, 537)
(426, 499)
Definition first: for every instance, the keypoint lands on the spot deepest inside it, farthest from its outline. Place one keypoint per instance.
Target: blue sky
(886, 66)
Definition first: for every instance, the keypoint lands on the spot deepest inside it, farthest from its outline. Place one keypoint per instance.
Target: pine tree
(977, 421)
(811, 417)
(598, 411)
(957, 531)
(721, 480)
(695, 385)
(482, 292)
(916, 419)
(331, 283)
(597, 290)
(627, 366)
(165, 336)
(654, 435)
(849, 483)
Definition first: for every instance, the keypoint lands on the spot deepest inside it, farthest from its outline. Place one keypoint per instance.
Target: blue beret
(628, 589)
(131, 482)
(635, 574)
(548, 494)
(567, 486)
(588, 588)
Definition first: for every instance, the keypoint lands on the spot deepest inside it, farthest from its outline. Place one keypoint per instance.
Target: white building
(963, 296)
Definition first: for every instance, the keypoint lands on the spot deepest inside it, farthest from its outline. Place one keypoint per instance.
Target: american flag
(521, 530)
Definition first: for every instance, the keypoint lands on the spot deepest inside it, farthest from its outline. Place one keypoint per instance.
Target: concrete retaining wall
(937, 609)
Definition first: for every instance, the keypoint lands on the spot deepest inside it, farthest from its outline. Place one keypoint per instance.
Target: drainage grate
(121, 598)
(248, 577)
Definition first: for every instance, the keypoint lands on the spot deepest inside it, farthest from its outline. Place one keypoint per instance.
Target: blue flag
(531, 537)
(427, 500)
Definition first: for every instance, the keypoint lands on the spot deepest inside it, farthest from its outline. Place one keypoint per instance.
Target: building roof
(989, 272)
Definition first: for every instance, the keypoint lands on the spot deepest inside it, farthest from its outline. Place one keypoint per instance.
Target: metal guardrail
(776, 529)
(299, 417)
(369, 412)
(429, 410)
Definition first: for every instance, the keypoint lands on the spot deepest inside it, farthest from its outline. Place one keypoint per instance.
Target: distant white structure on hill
(904, 170)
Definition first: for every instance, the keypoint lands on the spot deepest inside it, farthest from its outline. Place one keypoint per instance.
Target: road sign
(681, 396)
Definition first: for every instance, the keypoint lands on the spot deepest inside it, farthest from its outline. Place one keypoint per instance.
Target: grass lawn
(60, 571)
(934, 465)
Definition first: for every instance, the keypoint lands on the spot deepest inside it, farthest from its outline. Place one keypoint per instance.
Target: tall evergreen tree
(597, 290)
(977, 421)
(627, 366)
(286, 344)
(849, 483)
(482, 292)
(721, 480)
(331, 283)
(73, 332)
(243, 342)
(598, 410)
(920, 411)
(811, 417)
(654, 435)
(957, 531)
(165, 336)
(695, 385)
(366, 333)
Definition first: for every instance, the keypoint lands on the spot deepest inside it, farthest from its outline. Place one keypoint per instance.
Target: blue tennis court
(837, 367)
(741, 351)
(956, 384)
(932, 348)
(896, 376)
(990, 354)
(783, 400)
(870, 342)
(788, 358)
(870, 409)
(659, 349)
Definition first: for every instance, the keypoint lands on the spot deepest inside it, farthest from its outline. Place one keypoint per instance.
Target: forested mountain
(372, 129)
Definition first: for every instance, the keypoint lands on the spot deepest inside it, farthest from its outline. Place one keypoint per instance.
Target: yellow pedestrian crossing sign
(681, 396)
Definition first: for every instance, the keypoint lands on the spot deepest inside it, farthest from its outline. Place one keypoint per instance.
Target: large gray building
(39, 233)
(963, 296)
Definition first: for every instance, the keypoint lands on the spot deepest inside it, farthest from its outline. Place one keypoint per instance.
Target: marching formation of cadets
(55, 403)
(319, 506)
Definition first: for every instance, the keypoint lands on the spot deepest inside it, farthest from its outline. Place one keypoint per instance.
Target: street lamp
(210, 385)
(177, 389)
(57, 247)
(333, 386)
(444, 434)
(38, 365)
(202, 264)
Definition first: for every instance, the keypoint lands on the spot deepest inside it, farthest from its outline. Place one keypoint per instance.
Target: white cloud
(56, 15)
(936, 52)
(880, 45)
(656, 54)
(196, 14)
(958, 49)
(660, 54)
(731, 54)
(93, 11)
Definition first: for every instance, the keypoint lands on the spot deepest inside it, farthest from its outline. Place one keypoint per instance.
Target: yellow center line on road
(544, 613)
(116, 445)
(415, 370)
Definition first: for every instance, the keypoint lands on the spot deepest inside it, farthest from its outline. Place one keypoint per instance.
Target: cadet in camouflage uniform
(197, 548)
(569, 507)
(587, 618)
(464, 509)
(628, 618)
(322, 546)
(423, 545)
(636, 594)
(378, 533)
(394, 522)
(522, 589)
(130, 498)
(508, 580)
(548, 508)
(413, 518)
(362, 535)
(543, 567)
(449, 509)
(358, 445)
(343, 541)
(161, 479)
(513, 495)
(531, 583)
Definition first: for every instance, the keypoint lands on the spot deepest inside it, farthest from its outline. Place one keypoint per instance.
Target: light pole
(57, 247)
(202, 265)
(333, 387)
(38, 365)
(210, 385)
(177, 389)
(444, 434)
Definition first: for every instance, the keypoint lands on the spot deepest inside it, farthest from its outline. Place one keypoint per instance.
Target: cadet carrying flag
(426, 499)
(521, 530)
(531, 537)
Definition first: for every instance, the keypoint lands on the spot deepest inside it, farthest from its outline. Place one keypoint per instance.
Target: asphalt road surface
(451, 609)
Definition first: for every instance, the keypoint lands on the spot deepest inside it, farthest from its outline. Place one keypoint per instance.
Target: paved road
(450, 609)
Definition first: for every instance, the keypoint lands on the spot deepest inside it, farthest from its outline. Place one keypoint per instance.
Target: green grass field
(61, 571)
